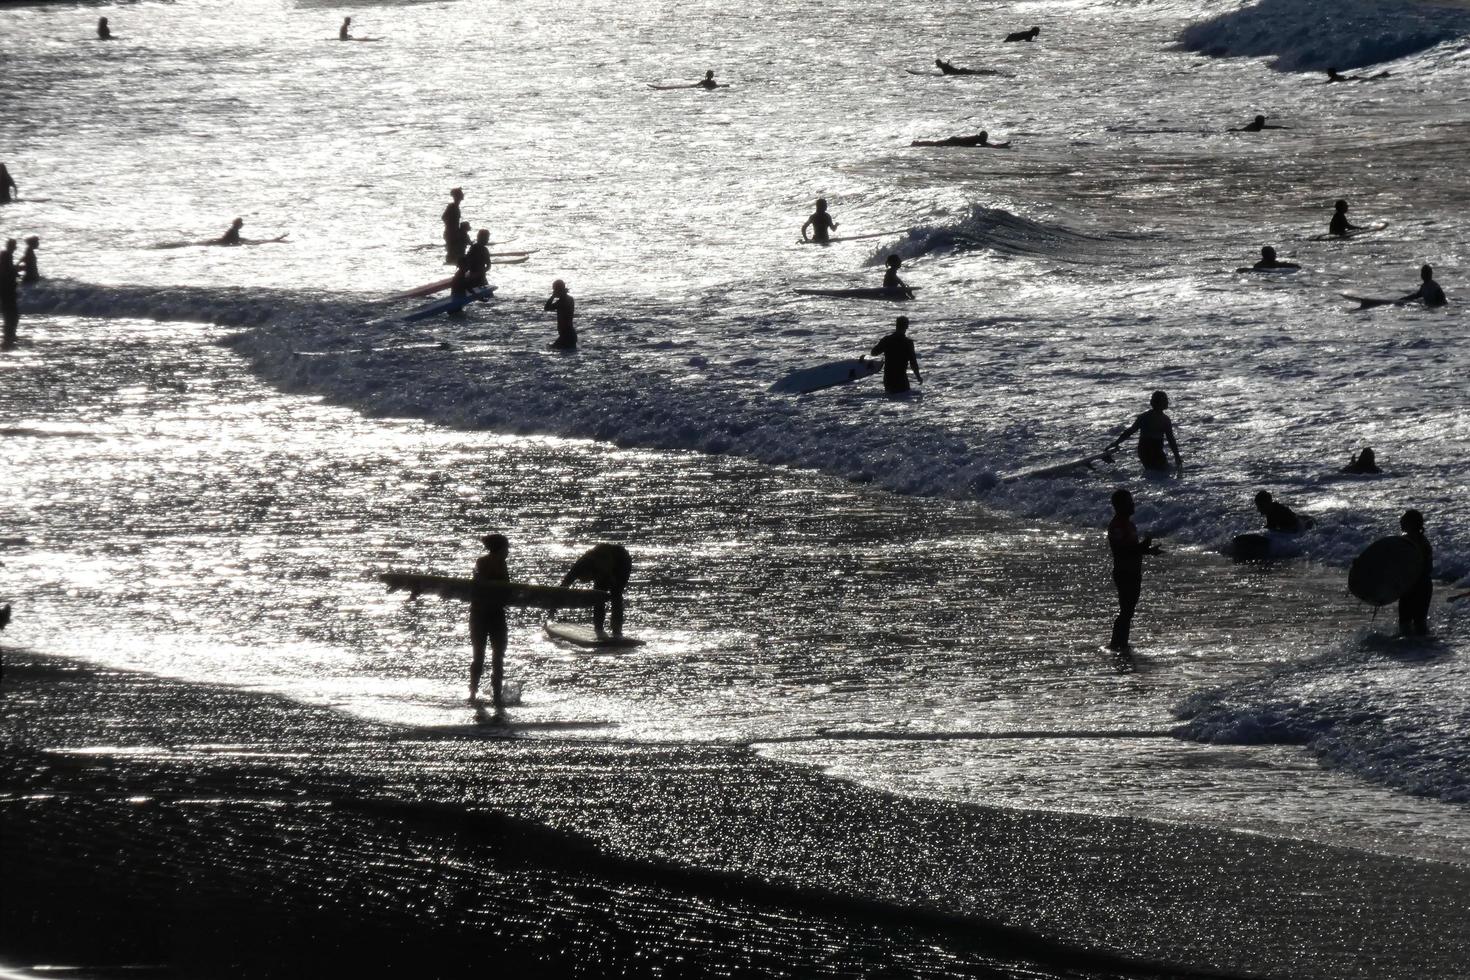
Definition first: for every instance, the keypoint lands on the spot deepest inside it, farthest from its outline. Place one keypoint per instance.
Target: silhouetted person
(452, 251)
(1028, 35)
(104, 33)
(707, 82)
(949, 69)
(231, 237)
(345, 34)
(1279, 517)
(1340, 225)
(981, 138)
(608, 567)
(7, 185)
(1154, 428)
(9, 299)
(891, 282)
(1363, 462)
(1128, 554)
(461, 242)
(898, 355)
(477, 261)
(1414, 604)
(1257, 124)
(29, 270)
(487, 618)
(1269, 261)
(820, 223)
(566, 335)
(1428, 292)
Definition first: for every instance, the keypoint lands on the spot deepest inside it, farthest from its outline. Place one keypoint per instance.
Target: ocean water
(212, 451)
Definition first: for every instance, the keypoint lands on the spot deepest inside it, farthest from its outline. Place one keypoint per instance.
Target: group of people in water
(12, 275)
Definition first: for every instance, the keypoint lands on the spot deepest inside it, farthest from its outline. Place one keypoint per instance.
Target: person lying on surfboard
(1340, 225)
(608, 567)
(1256, 125)
(898, 355)
(1154, 428)
(981, 138)
(891, 282)
(1268, 261)
(1429, 293)
(1279, 517)
(1029, 35)
(487, 619)
(949, 69)
(820, 223)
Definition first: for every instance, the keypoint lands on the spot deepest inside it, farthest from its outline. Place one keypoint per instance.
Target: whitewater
(1060, 282)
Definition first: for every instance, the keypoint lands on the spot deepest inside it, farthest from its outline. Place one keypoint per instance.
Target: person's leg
(477, 643)
(617, 612)
(1129, 588)
(499, 634)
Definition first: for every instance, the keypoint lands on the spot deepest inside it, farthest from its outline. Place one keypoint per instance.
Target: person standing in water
(1429, 293)
(477, 261)
(1340, 225)
(345, 34)
(104, 33)
(487, 618)
(1154, 428)
(566, 336)
(820, 223)
(9, 298)
(897, 351)
(7, 185)
(1128, 554)
(29, 271)
(1414, 604)
(608, 567)
(452, 251)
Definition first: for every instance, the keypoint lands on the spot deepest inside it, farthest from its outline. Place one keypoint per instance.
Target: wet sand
(143, 826)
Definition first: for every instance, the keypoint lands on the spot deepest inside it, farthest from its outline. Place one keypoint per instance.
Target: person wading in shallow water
(453, 250)
(1414, 604)
(9, 298)
(566, 335)
(820, 223)
(1154, 428)
(1128, 554)
(487, 618)
(898, 355)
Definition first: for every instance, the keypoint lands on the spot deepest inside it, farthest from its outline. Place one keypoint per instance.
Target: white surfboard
(827, 375)
(586, 636)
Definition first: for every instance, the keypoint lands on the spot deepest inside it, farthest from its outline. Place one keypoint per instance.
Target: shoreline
(766, 831)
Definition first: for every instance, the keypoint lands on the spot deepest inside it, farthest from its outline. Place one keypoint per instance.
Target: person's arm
(550, 304)
(914, 363)
(1173, 446)
(1416, 294)
(904, 286)
(1126, 433)
(804, 226)
(880, 347)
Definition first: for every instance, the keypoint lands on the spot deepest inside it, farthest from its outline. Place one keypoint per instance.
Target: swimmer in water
(1268, 261)
(104, 33)
(708, 81)
(980, 139)
(820, 223)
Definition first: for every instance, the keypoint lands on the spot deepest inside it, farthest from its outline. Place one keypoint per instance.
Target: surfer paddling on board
(7, 185)
(820, 223)
(487, 618)
(1028, 35)
(1429, 292)
(1363, 462)
(1414, 604)
(1256, 125)
(608, 567)
(980, 139)
(1128, 554)
(1339, 225)
(1269, 261)
(453, 251)
(566, 335)
(1279, 517)
(231, 237)
(891, 282)
(1154, 428)
(897, 351)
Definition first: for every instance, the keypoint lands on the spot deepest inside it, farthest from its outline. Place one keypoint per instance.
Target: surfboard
(676, 88)
(450, 305)
(428, 289)
(828, 375)
(527, 251)
(893, 295)
(523, 258)
(972, 72)
(1266, 545)
(1385, 570)
(518, 594)
(1265, 272)
(586, 636)
(1073, 467)
(1355, 233)
(1370, 302)
(852, 238)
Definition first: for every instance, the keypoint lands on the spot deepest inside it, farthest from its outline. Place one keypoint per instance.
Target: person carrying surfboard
(1128, 554)
(561, 301)
(1414, 604)
(1154, 428)
(453, 251)
(608, 567)
(1429, 291)
(820, 223)
(898, 355)
(487, 618)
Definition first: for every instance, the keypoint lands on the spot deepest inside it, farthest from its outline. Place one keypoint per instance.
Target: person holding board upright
(487, 618)
(1128, 554)
(608, 567)
(820, 223)
(898, 355)
(1154, 428)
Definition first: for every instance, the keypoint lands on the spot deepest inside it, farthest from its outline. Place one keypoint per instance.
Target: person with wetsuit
(707, 82)
(9, 297)
(1414, 604)
(1154, 428)
(897, 351)
(1279, 517)
(1269, 261)
(561, 301)
(981, 138)
(7, 184)
(820, 223)
(948, 68)
(453, 252)
(477, 261)
(1363, 462)
(1429, 292)
(345, 34)
(231, 237)
(30, 271)
(1340, 225)
(891, 282)
(1029, 35)
(1256, 125)
(104, 33)
(487, 618)
(461, 242)
(1128, 554)
(608, 567)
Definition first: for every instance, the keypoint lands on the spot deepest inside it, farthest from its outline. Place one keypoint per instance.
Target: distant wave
(998, 230)
(1314, 35)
